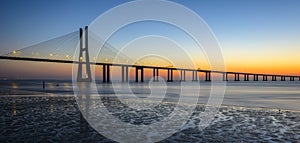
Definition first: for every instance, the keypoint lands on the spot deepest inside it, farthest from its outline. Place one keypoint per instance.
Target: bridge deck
(152, 67)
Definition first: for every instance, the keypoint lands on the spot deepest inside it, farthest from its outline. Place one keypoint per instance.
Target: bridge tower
(84, 58)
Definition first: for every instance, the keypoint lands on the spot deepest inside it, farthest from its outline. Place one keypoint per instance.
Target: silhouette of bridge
(84, 62)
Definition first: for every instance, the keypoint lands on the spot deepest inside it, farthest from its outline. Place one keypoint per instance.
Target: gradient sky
(255, 35)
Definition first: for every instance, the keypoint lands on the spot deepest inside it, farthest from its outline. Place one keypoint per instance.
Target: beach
(39, 116)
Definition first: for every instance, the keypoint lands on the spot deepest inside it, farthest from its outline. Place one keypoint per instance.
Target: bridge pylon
(84, 58)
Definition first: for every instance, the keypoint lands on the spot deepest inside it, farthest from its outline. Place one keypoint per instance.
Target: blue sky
(30, 21)
(266, 29)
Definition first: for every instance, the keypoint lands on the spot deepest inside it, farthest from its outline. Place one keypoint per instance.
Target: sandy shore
(57, 119)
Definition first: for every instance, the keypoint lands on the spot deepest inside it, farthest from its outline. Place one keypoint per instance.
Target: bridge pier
(225, 77)
(124, 73)
(255, 77)
(282, 78)
(106, 73)
(170, 75)
(137, 74)
(292, 78)
(195, 76)
(208, 76)
(155, 74)
(236, 77)
(246, 77)
(274, 78)
(182, 75)
(265, 78)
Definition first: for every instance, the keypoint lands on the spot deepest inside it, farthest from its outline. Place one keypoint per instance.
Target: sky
(255, 36)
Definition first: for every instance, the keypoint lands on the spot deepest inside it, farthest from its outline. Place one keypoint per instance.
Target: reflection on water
(14, 86)
(43, 119)
(14, 110)
(51, 108)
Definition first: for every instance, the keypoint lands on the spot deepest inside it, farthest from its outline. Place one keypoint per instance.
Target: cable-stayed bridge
(73, 48)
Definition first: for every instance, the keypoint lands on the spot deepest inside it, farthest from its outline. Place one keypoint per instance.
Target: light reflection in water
(68, 103)
(94, 103)
(14, 85)
(51, 108)
(14, 110)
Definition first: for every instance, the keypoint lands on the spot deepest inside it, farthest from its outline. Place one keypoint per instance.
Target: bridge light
(67, 56)
(81, 58)
(51, 55)
(14, 52)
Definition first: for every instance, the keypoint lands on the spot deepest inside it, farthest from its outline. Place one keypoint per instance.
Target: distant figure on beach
(57, 84)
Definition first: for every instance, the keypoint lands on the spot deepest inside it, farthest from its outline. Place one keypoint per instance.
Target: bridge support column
(84, 60)
(195, 76)
(265, 78)
(236, 77)
(225, 77)
(282, 78)
(292, 78)
(182, 75)
(124, 73)
(246, 77)
(170, 75)
(155, 74)
(137, 74)
(106, 73)
(255, 77)
(208, 76)
(273, 78)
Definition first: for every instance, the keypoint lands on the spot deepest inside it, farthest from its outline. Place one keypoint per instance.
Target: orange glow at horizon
(265, 66)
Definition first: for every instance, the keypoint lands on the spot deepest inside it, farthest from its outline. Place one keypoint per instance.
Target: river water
(260, 111)
(270, 94)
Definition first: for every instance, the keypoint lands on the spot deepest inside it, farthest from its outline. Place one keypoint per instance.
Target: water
(30, 113)
(269, 94)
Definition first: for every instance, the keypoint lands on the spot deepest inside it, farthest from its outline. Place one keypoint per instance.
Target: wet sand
(58, 119)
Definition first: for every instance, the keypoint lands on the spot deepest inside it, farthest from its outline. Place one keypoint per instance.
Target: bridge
(84, 62)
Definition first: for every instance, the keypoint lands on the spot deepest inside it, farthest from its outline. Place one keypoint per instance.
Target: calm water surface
(271, 94)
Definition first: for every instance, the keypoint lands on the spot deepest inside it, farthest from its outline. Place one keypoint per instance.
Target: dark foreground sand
(57, 119)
